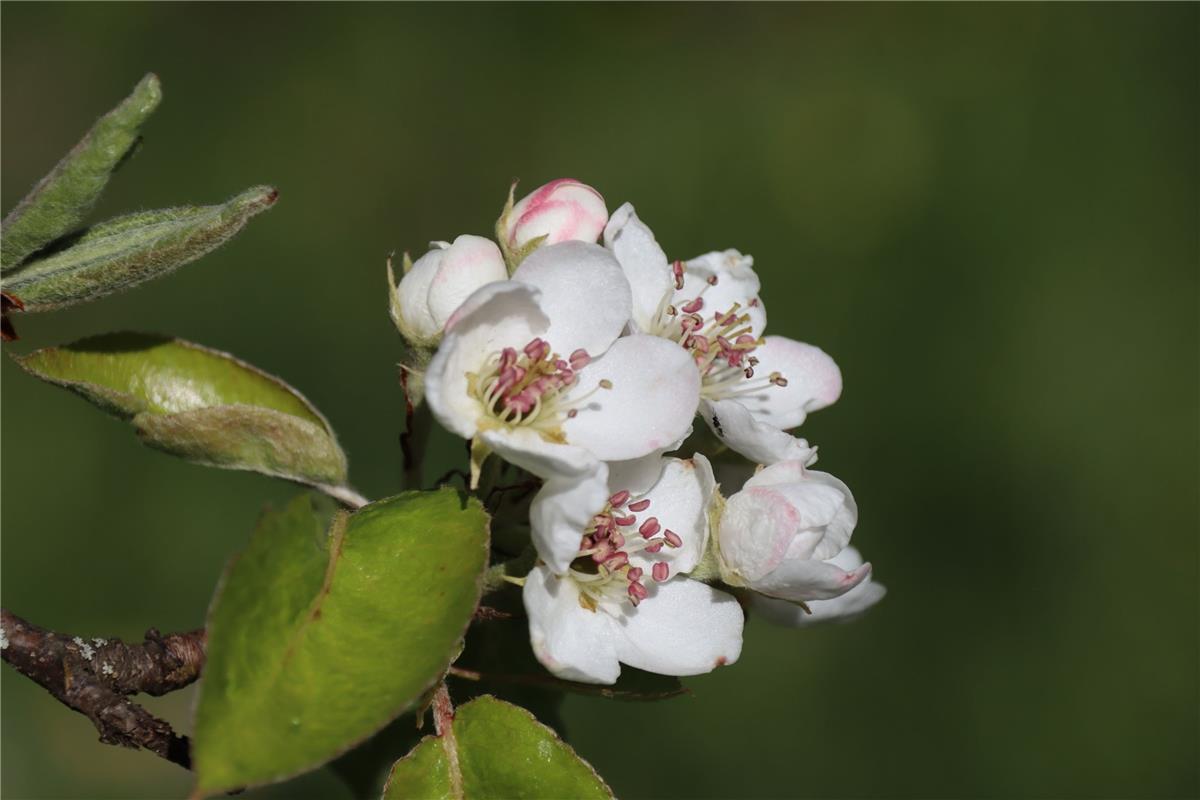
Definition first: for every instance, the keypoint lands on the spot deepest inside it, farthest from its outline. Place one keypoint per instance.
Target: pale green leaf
(201, 404)
(60, 200)
(126, 251)
(316, 641)
(494, 751)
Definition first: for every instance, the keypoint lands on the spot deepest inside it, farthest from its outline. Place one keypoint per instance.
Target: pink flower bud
(562, 210)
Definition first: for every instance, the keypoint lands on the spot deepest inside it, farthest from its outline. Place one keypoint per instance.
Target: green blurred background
(987, 214)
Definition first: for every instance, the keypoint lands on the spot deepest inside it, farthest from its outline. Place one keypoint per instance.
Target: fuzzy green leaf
(130, 250)
(59, 202)
(316, 641)
(197, 403)
(494, 751)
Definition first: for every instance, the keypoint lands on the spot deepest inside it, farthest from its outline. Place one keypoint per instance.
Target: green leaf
(61, 199)
(126, 251)
(494, 750)
(316, 641)
(200, 404)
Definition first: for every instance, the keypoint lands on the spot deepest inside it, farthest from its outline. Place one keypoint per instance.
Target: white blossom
(781, 535)
(754, 387)
(617, 591)
(532, 368)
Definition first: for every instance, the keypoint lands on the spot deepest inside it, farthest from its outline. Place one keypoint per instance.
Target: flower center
(528, 388)
(602, 569)
(722, 343)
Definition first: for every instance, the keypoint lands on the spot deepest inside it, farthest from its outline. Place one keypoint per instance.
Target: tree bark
(95, 676)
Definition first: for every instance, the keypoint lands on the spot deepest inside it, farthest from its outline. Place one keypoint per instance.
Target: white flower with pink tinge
(561, 210)
(781, 535)
(755, 387)
(840, 609)
(617, 591)
(532, 369)
(437, 284)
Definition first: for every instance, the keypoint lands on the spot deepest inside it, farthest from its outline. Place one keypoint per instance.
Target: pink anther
(619, 499)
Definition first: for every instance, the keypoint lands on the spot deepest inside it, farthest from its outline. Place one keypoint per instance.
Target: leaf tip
(147, 95)
(252, 201)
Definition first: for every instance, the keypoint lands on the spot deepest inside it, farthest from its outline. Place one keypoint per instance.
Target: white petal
(757, 527)
(527, 449)
(762, 443)
(849, 605)
(821, 502)
(764, 528)
(729, 267)
(813, 382)
(654, 395)
(584, 293)
(783, 472)
(562, 509)
(644, 263)
(636, 475)
(684, 627)
(679, 500)
(570, 641)
(803, 579)
(471, 262)
(737, 283)
(499, 315)
(414, 296)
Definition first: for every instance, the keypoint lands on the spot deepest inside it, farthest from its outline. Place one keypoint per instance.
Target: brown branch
(412, 466)
(9, 303)
(94, 677)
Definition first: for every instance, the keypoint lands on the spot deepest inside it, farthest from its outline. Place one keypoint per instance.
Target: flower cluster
(576, 350)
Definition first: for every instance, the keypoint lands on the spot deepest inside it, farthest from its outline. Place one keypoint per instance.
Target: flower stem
(344, 495)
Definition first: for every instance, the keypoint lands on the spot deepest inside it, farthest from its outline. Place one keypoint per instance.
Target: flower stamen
(528, 387)
(602, 569)
(721, 344)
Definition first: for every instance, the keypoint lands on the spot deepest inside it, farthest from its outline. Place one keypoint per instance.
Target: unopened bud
(562, 210)
(440, 281)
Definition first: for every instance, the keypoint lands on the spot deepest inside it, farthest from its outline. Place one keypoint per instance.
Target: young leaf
(317, 641)
(200, 404)
(130, 250)
(61, 199)
(494, 749)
